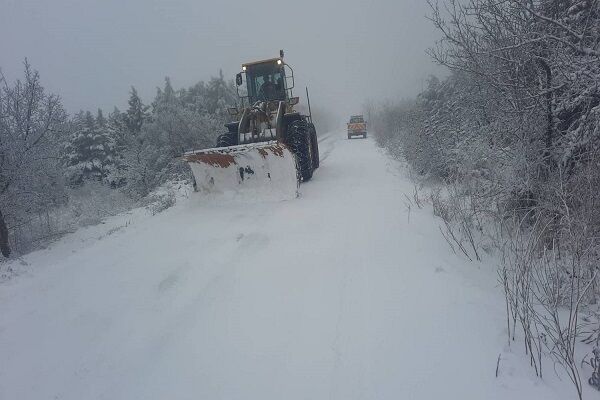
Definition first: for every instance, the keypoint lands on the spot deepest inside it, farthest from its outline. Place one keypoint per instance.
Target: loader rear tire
(298, 139)
(314, 145)
(226, 140)
(4, 243)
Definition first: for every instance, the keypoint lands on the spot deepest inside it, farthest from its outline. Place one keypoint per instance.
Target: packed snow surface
(341, 293)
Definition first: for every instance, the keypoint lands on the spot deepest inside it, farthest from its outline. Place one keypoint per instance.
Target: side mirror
(294, 100)
(238, 79)
(232, 111)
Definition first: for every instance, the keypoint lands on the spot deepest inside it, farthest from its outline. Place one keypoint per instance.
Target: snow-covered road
(339, 294)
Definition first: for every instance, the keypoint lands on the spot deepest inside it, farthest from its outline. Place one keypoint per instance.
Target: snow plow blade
(261, 170)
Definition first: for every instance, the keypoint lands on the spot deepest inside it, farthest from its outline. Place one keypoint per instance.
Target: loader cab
(267, 80)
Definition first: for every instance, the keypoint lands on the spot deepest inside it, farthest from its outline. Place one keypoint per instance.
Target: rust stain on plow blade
(224, 157)
(214, 159)
(257, 167)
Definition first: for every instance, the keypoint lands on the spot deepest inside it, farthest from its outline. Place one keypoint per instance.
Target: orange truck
(357, 126)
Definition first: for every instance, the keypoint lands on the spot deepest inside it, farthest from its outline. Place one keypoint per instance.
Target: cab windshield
(265, 82)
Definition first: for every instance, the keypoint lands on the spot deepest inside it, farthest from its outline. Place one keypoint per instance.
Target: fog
(91, 52)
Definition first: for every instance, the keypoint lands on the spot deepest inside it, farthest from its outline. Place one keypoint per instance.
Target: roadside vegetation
(59, 172)
(509, 144)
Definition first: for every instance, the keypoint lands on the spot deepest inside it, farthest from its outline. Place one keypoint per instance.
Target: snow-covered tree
(211, 98)
(90, 151)
(117, 133)
(31, 131)
(136, 114)
(174, 127)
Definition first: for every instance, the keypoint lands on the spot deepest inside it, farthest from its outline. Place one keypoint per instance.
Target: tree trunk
(549, 112)
(4, 246)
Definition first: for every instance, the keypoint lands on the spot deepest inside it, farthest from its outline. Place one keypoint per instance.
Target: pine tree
(220, 94)
(89, 155)
(136, 114)
(116, 131)
(100, 120)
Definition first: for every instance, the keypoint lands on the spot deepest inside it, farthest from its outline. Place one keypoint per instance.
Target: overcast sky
(90, 51)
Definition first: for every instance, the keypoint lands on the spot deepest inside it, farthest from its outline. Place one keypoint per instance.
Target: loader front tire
(298, 139)
(314, 145)
(226, 140)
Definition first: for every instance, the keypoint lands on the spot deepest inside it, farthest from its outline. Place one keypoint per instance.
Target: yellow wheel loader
(270, 146)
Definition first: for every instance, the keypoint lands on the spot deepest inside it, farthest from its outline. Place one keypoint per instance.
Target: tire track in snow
(326, 145)
(336, 344)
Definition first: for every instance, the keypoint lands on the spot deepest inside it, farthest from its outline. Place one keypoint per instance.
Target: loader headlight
(243, 67)
(279, 62)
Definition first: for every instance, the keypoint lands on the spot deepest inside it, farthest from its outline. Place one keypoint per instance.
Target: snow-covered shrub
(92, 202)
(160, 200)
(87, 204)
